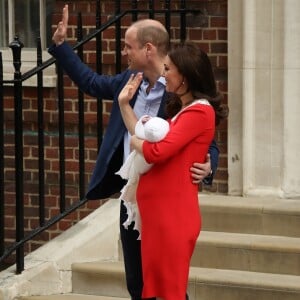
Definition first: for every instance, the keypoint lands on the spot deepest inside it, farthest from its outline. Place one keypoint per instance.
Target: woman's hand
(125, 96)
(130, 88)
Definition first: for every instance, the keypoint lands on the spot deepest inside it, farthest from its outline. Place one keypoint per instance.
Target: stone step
(214, 284)
(267, 216)
(107, 278)
(248, 252)
(71, 297)
(99, 278)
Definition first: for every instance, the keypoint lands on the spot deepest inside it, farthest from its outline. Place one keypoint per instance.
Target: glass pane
(3, 23)
(49, 14)
(27, 23)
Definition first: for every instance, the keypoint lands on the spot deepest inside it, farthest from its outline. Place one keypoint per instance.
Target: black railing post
(2, 238)
(134, 8)
(118, 37)
(80, 116)
(151, 9)
(167, 16)
(16, 47)
(61, 132)
(99, 71)
(61, 138)
(98, 39)
(182, 21)
(40, 103)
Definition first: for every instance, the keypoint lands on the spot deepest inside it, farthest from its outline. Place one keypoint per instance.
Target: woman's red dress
(168, 202)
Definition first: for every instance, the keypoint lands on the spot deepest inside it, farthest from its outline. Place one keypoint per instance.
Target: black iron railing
(18, 246)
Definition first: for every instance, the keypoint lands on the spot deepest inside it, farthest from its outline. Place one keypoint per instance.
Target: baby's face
(145, 119)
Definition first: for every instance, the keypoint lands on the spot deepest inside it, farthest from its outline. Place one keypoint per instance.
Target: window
(26, 19)
(4, 23)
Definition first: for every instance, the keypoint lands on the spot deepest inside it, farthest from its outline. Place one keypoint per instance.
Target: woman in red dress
(167, 198)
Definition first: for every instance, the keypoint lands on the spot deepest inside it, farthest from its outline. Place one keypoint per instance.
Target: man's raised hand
(60, 33)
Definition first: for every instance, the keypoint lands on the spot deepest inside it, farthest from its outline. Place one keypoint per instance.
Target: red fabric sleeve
(195, 121)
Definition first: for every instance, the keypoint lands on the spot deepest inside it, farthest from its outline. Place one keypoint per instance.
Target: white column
(264, 97)
(291, 100)
(235, 99)
(249, 93)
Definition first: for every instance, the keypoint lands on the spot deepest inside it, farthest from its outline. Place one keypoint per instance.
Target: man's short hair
(152, 31)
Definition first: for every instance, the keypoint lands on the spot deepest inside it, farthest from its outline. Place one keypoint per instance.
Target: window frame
(28, 55)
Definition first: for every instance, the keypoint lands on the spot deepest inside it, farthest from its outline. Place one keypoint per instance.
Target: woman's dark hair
(194, 65)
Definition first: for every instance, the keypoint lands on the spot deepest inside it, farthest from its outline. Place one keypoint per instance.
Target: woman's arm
(136, 144)
(196, 122)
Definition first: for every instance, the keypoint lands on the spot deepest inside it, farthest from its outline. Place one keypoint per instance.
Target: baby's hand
(145, 119)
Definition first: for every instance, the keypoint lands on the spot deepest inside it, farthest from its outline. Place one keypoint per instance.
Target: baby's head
(152, 129)
(156, 129)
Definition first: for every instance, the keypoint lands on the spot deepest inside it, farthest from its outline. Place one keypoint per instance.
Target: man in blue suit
(146, 46)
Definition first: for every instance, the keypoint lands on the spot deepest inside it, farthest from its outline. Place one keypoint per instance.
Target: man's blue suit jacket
(104, 182)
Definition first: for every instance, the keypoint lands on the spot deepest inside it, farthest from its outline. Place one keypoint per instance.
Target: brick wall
(208, 29)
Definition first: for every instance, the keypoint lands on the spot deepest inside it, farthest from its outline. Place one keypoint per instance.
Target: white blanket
(152, 129)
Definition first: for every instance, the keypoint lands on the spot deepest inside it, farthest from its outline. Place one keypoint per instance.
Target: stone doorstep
(250, 241)
(266, 205)
(258, 253)
(99, 267)
(71, 297)
(203, 276)
(99, 278)
(213, 284)
(245, 279)
(266, 216)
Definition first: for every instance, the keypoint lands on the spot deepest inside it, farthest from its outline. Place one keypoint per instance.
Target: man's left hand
(200, 171)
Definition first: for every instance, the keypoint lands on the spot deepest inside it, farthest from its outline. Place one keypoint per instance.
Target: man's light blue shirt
(146, 104)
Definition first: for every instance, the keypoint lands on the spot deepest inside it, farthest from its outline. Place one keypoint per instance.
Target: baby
(152, 129)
